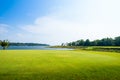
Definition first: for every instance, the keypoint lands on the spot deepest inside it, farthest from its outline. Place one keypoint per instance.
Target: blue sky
(14, 11)
(57, 21)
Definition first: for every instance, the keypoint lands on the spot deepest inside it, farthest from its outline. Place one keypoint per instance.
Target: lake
(33, 48)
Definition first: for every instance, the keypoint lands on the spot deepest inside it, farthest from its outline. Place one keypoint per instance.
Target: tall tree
(117, 41)
(87, 42)
(4, 44)
(81, 42)
(98, 42)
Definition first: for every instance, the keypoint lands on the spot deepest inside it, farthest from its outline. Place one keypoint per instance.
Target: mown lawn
(59, 65)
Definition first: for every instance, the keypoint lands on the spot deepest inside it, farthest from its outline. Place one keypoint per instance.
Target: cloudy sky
(57, 21)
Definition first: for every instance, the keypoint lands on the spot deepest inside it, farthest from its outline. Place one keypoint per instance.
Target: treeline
(98, 42)
(26, 44)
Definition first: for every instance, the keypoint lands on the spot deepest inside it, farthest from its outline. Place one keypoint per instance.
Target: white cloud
(20, 35)
(76, 20)
(58, 31)
(3, 28)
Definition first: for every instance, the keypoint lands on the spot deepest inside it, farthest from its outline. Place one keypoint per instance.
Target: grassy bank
(92, 48)
(59, 65)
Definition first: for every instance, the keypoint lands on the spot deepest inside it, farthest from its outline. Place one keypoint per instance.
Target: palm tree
(4, 44)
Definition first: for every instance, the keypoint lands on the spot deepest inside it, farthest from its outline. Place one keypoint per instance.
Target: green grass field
(59, 65)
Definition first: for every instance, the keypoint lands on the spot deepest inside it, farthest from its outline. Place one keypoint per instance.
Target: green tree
(87, 42)
(69, 44)
(117, 41)
(4, 44)
(81, 42)
(93, 43)
(73, 44)
(62, 44)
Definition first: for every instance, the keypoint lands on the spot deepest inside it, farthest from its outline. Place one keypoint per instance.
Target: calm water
(34, 48)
